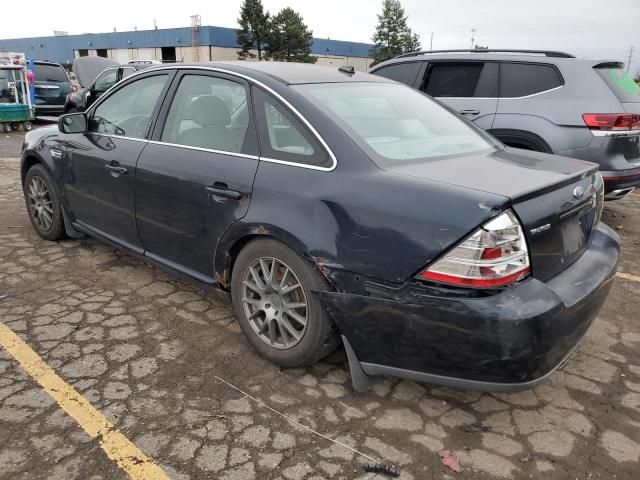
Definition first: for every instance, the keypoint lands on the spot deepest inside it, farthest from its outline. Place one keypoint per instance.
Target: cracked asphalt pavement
(147, 350)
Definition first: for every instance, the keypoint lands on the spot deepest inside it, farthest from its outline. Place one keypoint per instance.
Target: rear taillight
(612, 121)
(493, 256)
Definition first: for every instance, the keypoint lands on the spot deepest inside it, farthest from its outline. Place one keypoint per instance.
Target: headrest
(210, 111)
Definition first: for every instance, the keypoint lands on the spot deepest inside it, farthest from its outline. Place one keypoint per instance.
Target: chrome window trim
(143, 140)
(202, 149)
(502, 98)
(318, 137)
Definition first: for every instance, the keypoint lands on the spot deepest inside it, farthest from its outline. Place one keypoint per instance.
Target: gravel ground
(147, 349)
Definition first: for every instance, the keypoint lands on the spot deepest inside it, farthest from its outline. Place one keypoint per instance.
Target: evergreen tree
(254, 29)
(392, 36)
(289, 38)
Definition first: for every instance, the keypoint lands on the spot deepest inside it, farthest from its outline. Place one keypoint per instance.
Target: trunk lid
(558, 200)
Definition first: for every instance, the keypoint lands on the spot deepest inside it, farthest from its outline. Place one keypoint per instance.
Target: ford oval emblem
(578, 192)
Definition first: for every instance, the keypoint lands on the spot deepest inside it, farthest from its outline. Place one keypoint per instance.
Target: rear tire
(6, 127)
(43, 203)
(290, 337)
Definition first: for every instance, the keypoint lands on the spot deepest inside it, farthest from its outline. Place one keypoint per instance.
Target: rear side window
(621, 84)
(50, 73)
(522, 79)
(401, 72)
(472, 79)
(283, 137)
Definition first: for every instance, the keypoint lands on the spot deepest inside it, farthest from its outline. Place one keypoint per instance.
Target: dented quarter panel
(370, 222)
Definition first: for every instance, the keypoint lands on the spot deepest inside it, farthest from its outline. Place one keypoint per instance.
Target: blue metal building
(63, 49)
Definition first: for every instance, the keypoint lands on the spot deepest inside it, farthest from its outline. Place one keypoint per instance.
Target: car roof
(289, 73)
(516, 57)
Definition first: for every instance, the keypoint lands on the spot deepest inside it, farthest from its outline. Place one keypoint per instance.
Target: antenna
(473, 37)
(630, 58)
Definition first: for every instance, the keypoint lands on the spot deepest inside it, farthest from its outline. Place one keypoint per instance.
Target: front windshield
(395, 123)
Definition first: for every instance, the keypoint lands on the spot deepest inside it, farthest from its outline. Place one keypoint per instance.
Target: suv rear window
(50, 73)
(522, 79)
(621, 84)
(472, 79)
(401, 72)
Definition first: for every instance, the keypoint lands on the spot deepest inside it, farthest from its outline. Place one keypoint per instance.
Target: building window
(83, 52)
(102, 52)
(168, 54)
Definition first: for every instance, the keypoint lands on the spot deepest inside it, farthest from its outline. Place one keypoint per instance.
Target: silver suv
(538, 100)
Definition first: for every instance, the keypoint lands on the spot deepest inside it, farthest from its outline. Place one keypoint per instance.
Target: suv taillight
(493, 256)
(612, 121)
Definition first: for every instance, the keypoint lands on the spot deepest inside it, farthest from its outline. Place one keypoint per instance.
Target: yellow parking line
(628, 276)
(117, 447)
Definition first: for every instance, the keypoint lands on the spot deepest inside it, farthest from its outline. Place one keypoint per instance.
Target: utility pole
(473, 37)
(431, 43)
(630, 58)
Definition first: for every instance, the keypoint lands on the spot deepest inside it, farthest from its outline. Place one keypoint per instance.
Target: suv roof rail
(547, 53)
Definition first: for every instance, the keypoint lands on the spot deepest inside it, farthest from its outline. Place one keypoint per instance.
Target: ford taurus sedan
(337, 206)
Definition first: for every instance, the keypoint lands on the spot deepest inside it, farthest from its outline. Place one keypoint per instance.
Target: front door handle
(117, 169)
(222, 190)
(470, 112)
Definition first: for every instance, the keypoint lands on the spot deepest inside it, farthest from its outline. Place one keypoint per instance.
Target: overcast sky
(593, 28)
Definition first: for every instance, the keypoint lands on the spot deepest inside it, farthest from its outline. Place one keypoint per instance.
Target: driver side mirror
(73, 123)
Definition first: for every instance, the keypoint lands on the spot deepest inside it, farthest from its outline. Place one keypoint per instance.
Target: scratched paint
(117, 447)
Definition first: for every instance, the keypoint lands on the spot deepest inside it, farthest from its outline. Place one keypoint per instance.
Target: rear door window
(208, 112)
(401, 72)
(522, 79)
(621, 84)
(50, 73)
(456, 80)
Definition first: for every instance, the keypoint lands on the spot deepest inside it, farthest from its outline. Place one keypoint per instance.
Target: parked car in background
(52, 85)
(538, 100)
(335, 204)
(94, 84)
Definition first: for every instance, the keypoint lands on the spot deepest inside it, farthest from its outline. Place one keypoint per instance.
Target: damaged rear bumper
(509, 341)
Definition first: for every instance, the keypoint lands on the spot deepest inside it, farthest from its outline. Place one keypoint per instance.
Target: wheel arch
(521, 139)
(239, 235)
(29, 160)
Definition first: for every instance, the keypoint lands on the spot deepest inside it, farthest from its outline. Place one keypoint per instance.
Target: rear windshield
(396, 124)
(621, 84)
(50, 73)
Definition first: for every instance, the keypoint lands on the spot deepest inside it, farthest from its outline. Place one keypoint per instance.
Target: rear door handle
(470, 112)
(116, 169)
(222, 190)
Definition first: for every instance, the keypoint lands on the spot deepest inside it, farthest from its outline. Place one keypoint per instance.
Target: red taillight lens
(612, 121)
(495, 255)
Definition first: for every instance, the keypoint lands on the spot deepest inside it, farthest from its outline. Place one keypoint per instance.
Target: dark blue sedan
(337, 206)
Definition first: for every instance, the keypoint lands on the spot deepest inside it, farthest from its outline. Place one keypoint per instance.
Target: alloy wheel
(274, 302)
(40, 204)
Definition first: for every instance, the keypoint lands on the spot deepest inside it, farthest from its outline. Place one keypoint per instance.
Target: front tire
(271, 291)
(43, 204)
